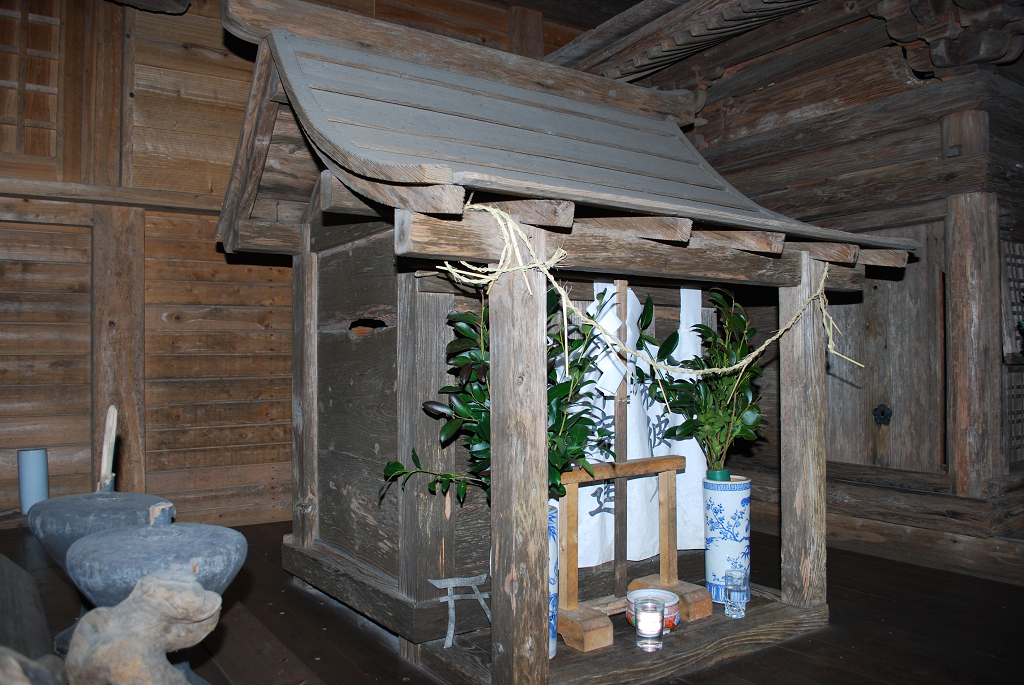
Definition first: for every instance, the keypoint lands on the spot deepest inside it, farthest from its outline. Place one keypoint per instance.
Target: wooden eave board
(399, 121)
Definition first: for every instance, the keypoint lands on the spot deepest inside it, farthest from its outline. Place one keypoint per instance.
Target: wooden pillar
(973, 342)
(525, 32)
(621, 563)
(802, 415)
(304, 381)
(118, 340)
(428, 525)
(519, 484)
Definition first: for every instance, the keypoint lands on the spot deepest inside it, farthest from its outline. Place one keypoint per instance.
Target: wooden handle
(107, 455)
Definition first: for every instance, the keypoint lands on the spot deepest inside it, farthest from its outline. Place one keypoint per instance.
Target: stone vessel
(59, 522)
(106, 565)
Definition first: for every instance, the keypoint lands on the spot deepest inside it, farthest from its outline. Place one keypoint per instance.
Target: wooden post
(118, 339)
(973, 342)
(802, 414)
(525, 32)
(519, 484)
(304, 381)
(621, 450)
(669, 566)
(428, 526)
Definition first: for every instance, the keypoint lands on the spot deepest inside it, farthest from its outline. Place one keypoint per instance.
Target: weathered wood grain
(418, 235)
(305, 447)
(896, 259)
(267, 236)
(751, 241)
(621, 444)
(428, 520)
(802, 414)
(525, 32)
(217, 457)
(28, 432)
(539, 212)
(253, 19)
(336, 197)
(253, 145)
(203, 318)
(80, 214)
(519, 484)
(626, 469)
(36, 400)
(218, 414)
(118, 338)
(183, 366)
(973, 342)
(44, 246)
(163, 393)
(841, 253)
(234, 294)
(208, 436)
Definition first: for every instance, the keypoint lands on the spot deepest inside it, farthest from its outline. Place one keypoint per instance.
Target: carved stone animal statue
(18, 669)
(127, 644)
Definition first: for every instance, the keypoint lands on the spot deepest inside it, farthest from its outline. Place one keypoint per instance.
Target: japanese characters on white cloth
(646, 428)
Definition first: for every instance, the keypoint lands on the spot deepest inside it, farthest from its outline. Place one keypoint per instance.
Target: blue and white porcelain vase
(726, 531)
(552, 580)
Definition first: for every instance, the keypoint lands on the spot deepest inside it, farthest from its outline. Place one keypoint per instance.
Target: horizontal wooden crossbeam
(476, 238)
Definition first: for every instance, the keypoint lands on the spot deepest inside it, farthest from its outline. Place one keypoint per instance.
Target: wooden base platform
(688, 647)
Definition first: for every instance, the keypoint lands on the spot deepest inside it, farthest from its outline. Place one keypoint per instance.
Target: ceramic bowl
(670, 599)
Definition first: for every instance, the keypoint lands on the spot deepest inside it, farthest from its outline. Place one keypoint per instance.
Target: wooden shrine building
(402, 127)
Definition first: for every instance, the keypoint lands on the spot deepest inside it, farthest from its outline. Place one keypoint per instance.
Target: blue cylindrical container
(33, 478)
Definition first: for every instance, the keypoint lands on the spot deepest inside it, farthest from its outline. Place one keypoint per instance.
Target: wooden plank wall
(863, 157)
(218, 377)
(114, 96)
(45, 276)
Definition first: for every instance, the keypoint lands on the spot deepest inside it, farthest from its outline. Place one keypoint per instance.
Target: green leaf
(460, 407)
(467, 331)
(465, 317)
(460, 345)
(559, 391)
(432, 486)
(436, 408)
(460, 490)
(393, 469)
(449, 429)
(647, 315)
(416, 460)
(669, 346)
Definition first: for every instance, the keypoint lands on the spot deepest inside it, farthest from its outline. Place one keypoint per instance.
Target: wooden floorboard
(891, 623)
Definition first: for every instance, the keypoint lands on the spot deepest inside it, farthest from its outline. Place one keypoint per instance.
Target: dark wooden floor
(890, 623)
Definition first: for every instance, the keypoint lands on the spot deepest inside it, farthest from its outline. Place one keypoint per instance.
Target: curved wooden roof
(395, 106)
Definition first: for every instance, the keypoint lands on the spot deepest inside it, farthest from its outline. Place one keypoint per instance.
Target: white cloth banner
(647, 423)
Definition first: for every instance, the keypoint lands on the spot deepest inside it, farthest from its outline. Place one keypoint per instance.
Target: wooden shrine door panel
(897, 332)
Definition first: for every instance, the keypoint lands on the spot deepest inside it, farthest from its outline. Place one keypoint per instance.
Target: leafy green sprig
(573, 421)
(720, 408)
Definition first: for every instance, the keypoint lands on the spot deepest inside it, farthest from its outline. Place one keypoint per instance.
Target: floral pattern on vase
(552, 580)
(726, 532)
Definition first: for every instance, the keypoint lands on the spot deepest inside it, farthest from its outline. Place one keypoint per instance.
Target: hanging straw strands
(511, 261)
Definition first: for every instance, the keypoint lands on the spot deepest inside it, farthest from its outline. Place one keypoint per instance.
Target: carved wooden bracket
(941, 35)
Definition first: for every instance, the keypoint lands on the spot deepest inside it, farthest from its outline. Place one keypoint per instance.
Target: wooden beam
(434, 199)
(158, 200)
(973, 342)
(267, 236)
(802, 414)
(253, 147)
(539, 212)
(118, 339)
(636, 468)
(620, 561)
(305, 416)
(519, 484)
(525, 32)
(750, 241)
(672, 228)
(845, 278)
(474, 239)
(336, 197)
(840, 253)
(892, 258)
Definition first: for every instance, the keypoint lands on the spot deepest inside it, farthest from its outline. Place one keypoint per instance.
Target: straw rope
(511, 261)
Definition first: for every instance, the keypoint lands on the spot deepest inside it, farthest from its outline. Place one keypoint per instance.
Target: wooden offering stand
(586, 625)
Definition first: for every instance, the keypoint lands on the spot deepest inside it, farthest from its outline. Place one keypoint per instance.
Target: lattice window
(29, 73)
(1013, 405)
(1013, 295)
